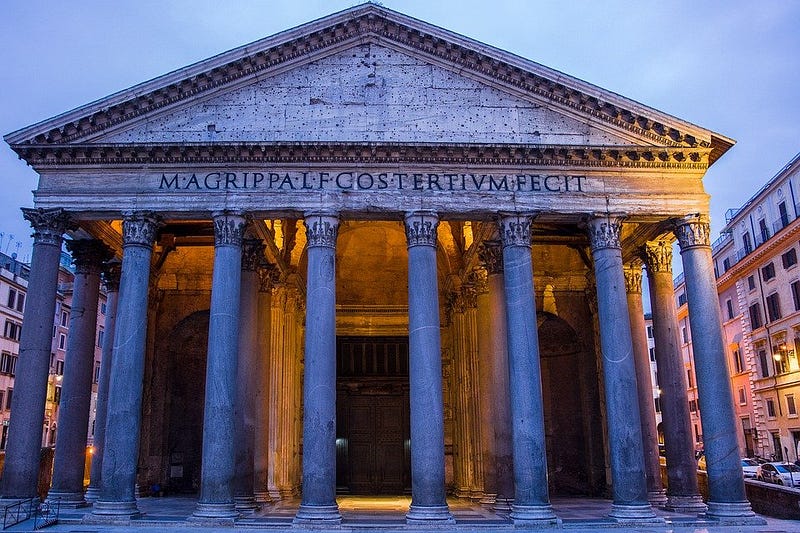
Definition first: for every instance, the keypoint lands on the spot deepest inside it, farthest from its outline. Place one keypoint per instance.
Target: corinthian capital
(515, 230)
(321, 229)
(490, 254)
(111, 273)
(48, 225)
(633, 277)
(252, 254)
(229, 227)
(139, 229)
(421, 227)
(693, 231)
(658, 256)
(88, 255)
(604, 231)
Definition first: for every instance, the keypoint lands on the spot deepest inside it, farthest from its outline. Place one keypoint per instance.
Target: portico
(459, 215)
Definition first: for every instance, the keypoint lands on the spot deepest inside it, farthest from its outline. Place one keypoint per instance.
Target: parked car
(779, 473)
(749, 467)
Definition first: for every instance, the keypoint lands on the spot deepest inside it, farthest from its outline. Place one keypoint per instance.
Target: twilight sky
(732, 66)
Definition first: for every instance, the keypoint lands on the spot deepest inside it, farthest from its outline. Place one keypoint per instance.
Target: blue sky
(729, 66)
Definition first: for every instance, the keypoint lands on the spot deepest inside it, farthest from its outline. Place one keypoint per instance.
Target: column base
(308, 515)
(212, 512)
(735, 513)
(488, 499)
(112, 511)
(502, 505)
(685, 504)
(66, 499)
(533, 515)
(476, 495)
(657, 498)
(262, 496)
(429, 515)
(245, 504)
(92, 494)
(634, 512)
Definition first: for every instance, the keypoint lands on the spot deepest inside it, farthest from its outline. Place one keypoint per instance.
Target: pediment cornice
(372, 23)
(54, 155)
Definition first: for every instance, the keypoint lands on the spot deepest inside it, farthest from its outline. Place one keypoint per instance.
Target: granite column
(247, 377)
(491, 256)
(428, 503)
(726, 494)
(629, 482)
(216, 503)
(124, 412)
(683, 494)
(23, 449)
(76, 389)
(111, 273)
(531, 498)
(318, 504)
(644, 387)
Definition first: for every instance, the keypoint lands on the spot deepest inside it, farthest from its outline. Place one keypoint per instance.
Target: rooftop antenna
(10, 238)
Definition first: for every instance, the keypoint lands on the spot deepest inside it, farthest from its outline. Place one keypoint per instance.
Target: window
(693, 406)
(697, 436)
(796, 295)
(685, 335)
(8, 364)
(742, 396)
(791, 408)
(657, 402)
(681, 299)
(652, 354)
(726, 264)
(762, 228)
(768, 271)
(784, 221)
(773, 307)
(738, 363)
(64, 318)
(789, 258)
(770, 408)
(12, 330)
(748, 242)
(60, 367)
(649, 332)
(57, 395)
(751, 283)
(755, 316)
(9, 394)
(100, 337)
(689, 379)
(62, 341)
(729, 308)
(16, 300)
(763, 362)
(2, 397)
(103, 307)
(97, 372)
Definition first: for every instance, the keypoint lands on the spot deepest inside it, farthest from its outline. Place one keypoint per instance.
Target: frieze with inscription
(358, 180)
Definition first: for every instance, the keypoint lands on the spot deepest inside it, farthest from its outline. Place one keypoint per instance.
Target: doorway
(372, 419)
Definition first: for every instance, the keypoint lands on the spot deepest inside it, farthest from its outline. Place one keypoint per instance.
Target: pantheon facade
(367, 256)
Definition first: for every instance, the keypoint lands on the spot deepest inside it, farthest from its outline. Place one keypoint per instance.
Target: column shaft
(261, 449)
(319, 386)
(76, 388)
(21, 470)
(111, 279)
(247, 377)
(531, 497)
(485, 387)
(218, 462)
(726, 493)
(428, 503)
(683, 493)
(124, 413)
(629, 483)
(641, 356)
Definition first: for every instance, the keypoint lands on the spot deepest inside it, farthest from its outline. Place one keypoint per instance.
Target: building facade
(759, 293)
(405, 257)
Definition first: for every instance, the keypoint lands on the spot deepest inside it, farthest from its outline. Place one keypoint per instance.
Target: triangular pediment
(369, 74)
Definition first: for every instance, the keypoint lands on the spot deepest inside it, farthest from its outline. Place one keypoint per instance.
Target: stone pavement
(387, 514)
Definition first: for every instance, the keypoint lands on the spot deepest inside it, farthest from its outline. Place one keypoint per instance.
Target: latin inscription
(371, 181)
